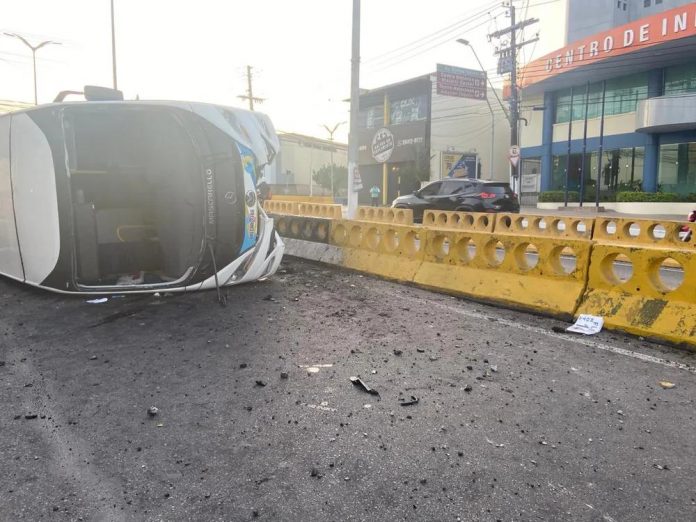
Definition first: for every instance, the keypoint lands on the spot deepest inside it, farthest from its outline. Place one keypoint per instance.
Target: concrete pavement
(513, 422)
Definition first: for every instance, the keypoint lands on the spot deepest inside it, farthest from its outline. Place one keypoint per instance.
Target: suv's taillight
(487, 195)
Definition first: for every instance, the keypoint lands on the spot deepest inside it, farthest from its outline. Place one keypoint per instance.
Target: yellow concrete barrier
(401, 216)
(299, 227)
(302, 199)
(519, 271)
(571, 227)
(320, 210)
(272, 206)
(644, 303)
(477, 221)
(643, 232)
(387, 250)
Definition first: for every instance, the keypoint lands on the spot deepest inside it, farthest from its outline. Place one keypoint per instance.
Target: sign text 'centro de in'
(382, 145)
(459, 82)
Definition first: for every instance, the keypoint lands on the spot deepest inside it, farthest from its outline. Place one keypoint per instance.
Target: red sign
(644, 33)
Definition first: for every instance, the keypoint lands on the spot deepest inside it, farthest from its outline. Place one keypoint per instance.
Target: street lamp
(33, 48)
(492, 156)
(331, 132)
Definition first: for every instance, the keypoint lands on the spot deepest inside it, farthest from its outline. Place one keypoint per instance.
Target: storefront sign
(644, 33)
(382, 145)
(458, 165)
(462, 83)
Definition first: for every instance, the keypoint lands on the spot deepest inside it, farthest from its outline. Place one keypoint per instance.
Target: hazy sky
(198, 50)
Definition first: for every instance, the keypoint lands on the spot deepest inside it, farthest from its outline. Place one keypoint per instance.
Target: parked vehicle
(104, 197)
(468, 195)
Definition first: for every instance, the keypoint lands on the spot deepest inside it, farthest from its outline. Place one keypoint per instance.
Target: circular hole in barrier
(390, 216)
(495, 252)
(521, 223)
(307, 231)
(466, 249)
(563, 260)
(429, 218)
(371, 213)
(455, 218)
(505, 222)
(411, 243)
(391, 240)
(340, 235)
(559, 226)
(483, 222)
(536, 225)
(526, 256)
(621, 268)
(373, 237)
(667, 274)
(322, 231)
(355, 236)
(442, 219)
(468, 220)
(631, 229)
(400, 216)
(609, 227)
(361, 213)
(295, 228)
(541, 225)
(282, 225)
(440, 246)
(579, 228)
(657, 232)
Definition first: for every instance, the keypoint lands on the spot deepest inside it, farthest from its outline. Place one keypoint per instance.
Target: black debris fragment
(31, 416)
(410, 402)
(397, 352)
(152, 411)
(558, 329)
(420, 350)
(468, 388)
(357, 381)
(260, 383)
(284, 375)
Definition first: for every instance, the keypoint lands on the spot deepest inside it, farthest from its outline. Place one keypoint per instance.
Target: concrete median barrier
(477, 221)
(638, 232)
(571, 227)
(644, 289)
(391, 251)
(299, 227)
(271, 206)
(320, 210)
(541, 274)
(400, 216)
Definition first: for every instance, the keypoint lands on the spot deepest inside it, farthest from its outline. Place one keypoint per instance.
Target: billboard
(459, 165)
(404, 137)
(462, 83)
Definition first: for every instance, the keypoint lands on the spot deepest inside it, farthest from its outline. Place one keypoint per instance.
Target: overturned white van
(103, 197)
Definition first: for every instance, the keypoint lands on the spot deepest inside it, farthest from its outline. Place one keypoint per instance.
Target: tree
(322, 177)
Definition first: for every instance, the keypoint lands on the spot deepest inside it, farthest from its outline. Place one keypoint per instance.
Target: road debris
(660, 467)
(284, 375)
(410, 402)
(397, 352)
(31, 416)
(468, 388)
(260, 383)
(357, 381)
(152, 411)
(98, 300)
(489, 441)
(558, 329)
(667, 385)
(420, 350)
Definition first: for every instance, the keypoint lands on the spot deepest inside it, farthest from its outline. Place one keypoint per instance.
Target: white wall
(464, 125)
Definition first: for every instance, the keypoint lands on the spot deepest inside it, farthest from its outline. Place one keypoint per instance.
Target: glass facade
(680, 79)
(622, 96)
(622, 171)
(677, 169)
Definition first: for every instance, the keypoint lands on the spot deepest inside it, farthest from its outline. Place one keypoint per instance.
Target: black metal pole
(570, 135)
(584, 145)
(601, 146)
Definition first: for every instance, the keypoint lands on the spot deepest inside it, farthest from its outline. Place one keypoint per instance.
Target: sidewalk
(591, 210)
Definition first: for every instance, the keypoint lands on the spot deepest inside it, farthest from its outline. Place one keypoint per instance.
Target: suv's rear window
(497, 189)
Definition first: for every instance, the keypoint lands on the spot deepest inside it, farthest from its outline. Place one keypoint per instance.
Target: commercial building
(629, 91)
(424, 133)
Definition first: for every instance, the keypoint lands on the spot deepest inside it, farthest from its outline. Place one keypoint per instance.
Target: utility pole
(250, 92)
(331, 132)
(514, 95)
(354, 183)
(113, 45)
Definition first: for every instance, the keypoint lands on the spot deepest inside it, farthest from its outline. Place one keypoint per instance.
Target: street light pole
(113, 44)
(331, 132)
(354, 108)
(33, 48)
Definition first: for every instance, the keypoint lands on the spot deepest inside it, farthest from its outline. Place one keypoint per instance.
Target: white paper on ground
(587, 324)
(98, 301)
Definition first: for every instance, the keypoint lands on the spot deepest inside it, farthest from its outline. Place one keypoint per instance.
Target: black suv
(469, 195)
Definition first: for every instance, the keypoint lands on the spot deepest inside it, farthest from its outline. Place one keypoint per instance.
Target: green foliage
(322, 177)
(556, 196)
(647, 197)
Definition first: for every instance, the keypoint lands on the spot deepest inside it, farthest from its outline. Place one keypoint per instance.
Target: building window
(646, 3)
(658, 2)
(677, 170)
(680, 79)
(624, 6)
(623, 94)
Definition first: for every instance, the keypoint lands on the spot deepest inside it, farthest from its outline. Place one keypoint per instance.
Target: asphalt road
(514, 421)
